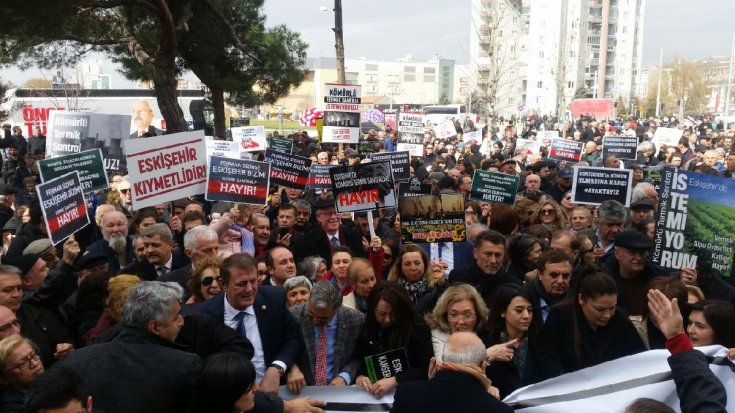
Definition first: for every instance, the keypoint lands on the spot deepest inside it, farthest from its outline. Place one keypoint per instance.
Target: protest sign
(432, 218)
(623, 147)
(341, 113)
(666, 136)
(390, 119)
(281, 144)
(494, 187)
(546, 137)
(399, 163)
(565, 150)
(160, 174)
(653, 175)
(363, 187)
(599, 108)
(472, 138)
(414, 188)
(89, 164)
(288, 170)
(533, 147)
(411, 133)
(319, 177)
(237, 180)
(249, 138)
(445, 130)
(225, 149)
(367, 146)
(593, 185)
(695, 224)
(63, 205)
(343, 399)
(72, 132)
(387, 364)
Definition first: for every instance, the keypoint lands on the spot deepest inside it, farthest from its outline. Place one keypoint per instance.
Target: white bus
(436, 114)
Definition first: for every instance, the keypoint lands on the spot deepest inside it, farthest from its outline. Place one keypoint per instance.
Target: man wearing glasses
(328, 234)
(142, 118)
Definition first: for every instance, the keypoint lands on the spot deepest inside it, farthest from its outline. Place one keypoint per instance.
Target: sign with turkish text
(531, 146)
(363, 187)
(89, 164)
(623, 147)
(63, 205)
(399, 163)
(593, 185)
(546, 137)
(281, 144)
(445, 130)
(432, 218)
(226, 149)
(341, 113)
(249, 138)
(387, 364)
(494, 187)
(237, 180)
(565, 150)
(319, 177)
(288, 170)
(411, 133)
(413, 188)
(162, 172)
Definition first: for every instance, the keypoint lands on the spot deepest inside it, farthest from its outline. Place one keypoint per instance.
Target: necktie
(240, 318)
(162, 270)
(335, 241)
(320, 370)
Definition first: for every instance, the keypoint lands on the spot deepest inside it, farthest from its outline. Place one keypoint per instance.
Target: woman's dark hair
(519, 246)
(720, 315)
(469, 167)
(503, 219)
(499, 305)
(225, 377)
(592, 285)
(140, 215)
(403, 310)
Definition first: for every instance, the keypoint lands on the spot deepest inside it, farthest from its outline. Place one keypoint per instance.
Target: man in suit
(200, 242)
(115, 243)
(159, 256)
(143, 117)
(327, 325)
(459, 385)
(329, 233)
(259, 313)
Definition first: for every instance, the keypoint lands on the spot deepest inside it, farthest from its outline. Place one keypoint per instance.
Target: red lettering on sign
(359, 197)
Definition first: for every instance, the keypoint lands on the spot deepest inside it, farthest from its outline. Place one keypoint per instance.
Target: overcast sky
(389, 29)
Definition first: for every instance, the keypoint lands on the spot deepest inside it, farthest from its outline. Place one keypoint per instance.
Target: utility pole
(339, 42)
(729, 82)
(660, 74)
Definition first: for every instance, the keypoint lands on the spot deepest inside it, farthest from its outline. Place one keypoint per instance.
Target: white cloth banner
(342, 398)
(612, 386)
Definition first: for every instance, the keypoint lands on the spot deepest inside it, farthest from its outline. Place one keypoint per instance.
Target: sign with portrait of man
(143, 116)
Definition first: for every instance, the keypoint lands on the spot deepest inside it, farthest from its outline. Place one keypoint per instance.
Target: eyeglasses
(25, 362)
(547, 212)
(463, 316)
(5, 327)
(207, 281)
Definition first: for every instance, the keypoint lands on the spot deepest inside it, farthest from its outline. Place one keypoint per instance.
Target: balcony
(593, 18)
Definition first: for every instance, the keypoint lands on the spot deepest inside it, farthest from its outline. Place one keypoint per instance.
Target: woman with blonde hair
(20, 364)
(460, 308)
(362, 279)
(204, 282)
(118, 289)
(549, 213)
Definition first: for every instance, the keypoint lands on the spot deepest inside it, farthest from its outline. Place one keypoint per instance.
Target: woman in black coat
(587, 329)
(512, 327)
(391, 323)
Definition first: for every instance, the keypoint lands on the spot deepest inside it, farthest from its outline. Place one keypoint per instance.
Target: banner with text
(695, 224)
(225, 149)
(63, 205)
(565, 150)
(165, 173)
(281, 144)
(494, 187)
(546, 137)
(413, 188)
(319, 177)
(445, 130)
(593, 185)
(533, 147)
(341, 113)
(399, 162)
(288, 170)
(363, 187)
(432, 218)
(89, 164)
(387, 364)
(411, 133)
(249, 138)
(666, 136)
(237, 180)
(623, 147)
(72, 132)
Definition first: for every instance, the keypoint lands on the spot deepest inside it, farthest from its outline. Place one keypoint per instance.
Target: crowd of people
(211, 306)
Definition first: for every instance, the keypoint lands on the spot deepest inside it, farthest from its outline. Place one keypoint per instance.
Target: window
(428, 70)
(409, 69)
(570, 85)
(371, 89)
(371, 67)
(371, 78)
(409, 78)
(540, 85)
(429, 78)
(625, 29)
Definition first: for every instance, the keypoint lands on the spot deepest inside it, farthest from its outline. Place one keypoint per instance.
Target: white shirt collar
(231, 312)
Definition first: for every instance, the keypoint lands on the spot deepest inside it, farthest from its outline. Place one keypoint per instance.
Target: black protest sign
(319, 177)
(63, 206)
(413, 188)
(399, 162)
(363, 187)
(388, 364)
(565, 150)
(432, 218)
(89, 164)
(288, 170)
(494, 187)
(593, 186)
(281, 144)
(237, 180)
(367, 146)
(623, 147)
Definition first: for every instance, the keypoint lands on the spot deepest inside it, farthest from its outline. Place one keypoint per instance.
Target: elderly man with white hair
(115, 243)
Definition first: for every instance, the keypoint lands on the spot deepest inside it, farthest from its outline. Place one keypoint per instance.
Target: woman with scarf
(417, 275)
(391, 323)
(513, 337)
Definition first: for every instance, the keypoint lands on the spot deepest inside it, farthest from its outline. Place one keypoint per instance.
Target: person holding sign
(391, 323)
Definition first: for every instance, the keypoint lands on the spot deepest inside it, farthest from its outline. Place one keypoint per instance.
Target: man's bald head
(464, 348)
(9, 324)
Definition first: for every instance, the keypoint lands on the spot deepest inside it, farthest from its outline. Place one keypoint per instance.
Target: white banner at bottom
(350, 399)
